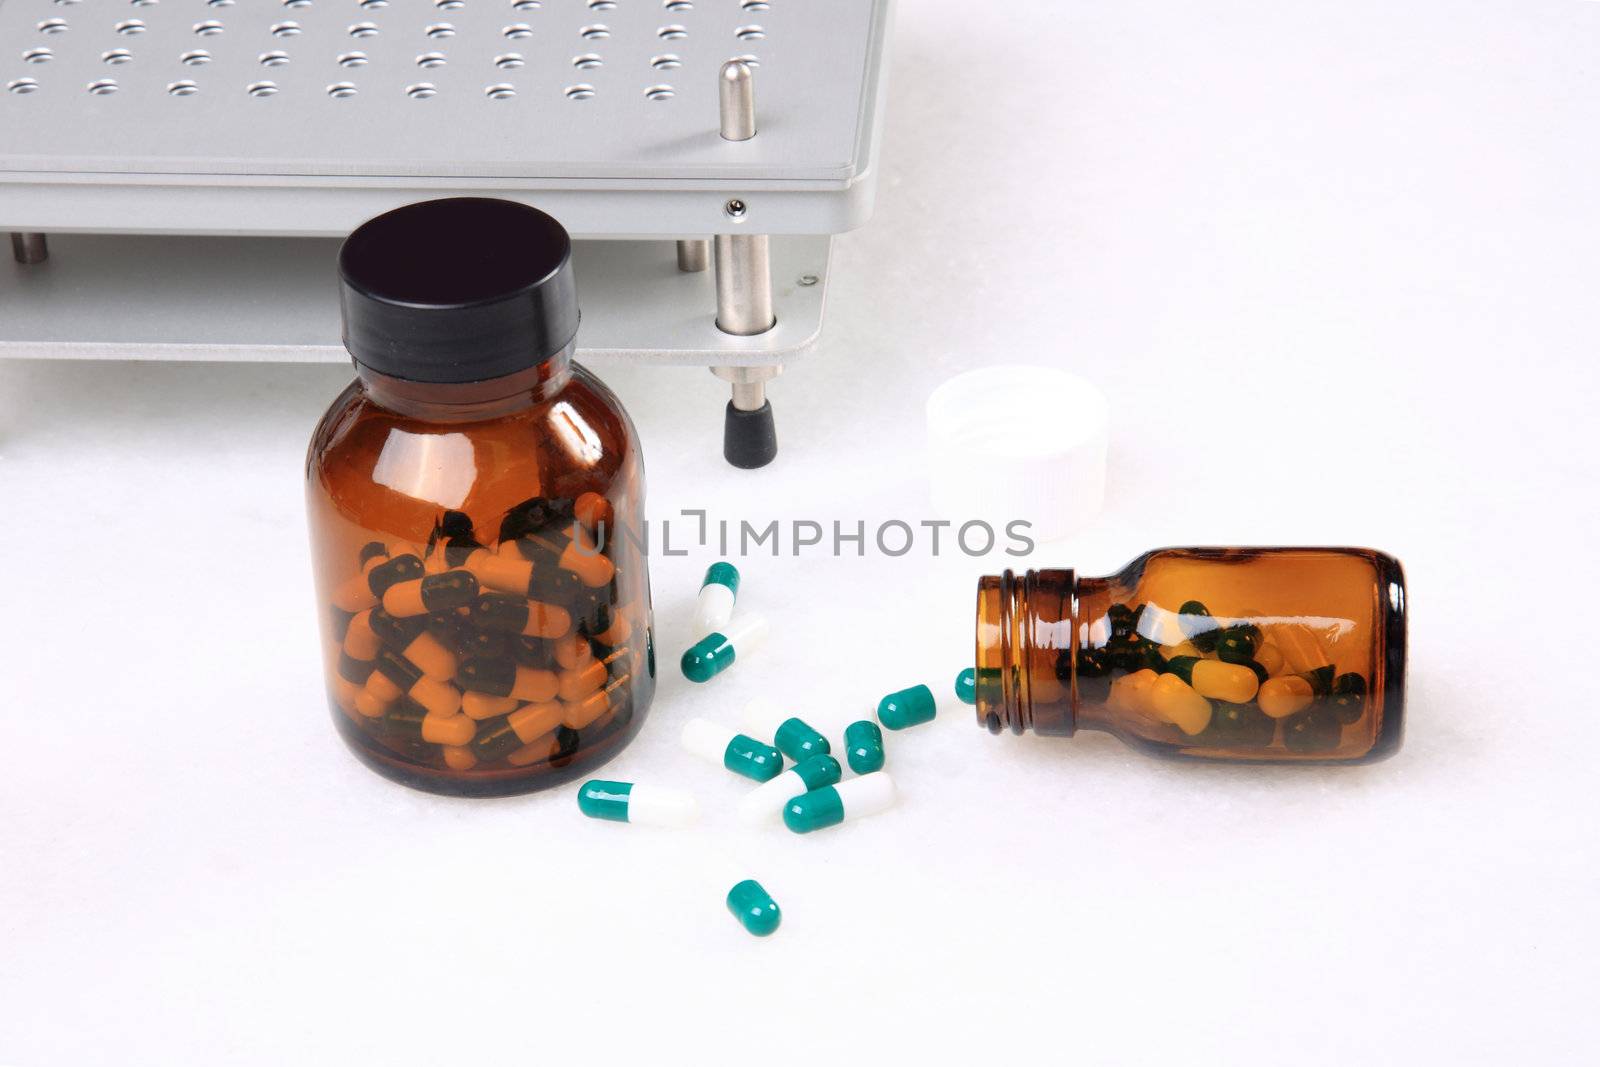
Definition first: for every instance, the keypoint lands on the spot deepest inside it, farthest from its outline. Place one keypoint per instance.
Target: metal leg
(744, 292)
(29, 247)
(694, 256)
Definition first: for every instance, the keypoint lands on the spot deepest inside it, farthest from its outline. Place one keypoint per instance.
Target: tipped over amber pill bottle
(476, 504)
(1259, 654)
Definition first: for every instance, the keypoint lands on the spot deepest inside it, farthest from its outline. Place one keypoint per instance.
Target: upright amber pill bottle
(475, 501)
(1265, 654)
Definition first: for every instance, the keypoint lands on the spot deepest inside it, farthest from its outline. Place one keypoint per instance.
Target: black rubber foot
(749, 438)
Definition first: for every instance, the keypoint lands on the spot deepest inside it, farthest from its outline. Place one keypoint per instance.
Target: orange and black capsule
(414, 641)
(430, 593)
(521, 727)
(503, 678)
(393, 571)
(407, 678)
(535, 515)
(410, 720)
(577, 555)
(514, 615)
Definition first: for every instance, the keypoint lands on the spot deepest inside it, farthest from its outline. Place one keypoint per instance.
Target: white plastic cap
(1018, 442)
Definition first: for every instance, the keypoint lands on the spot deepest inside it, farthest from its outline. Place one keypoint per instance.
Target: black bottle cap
(457, 290)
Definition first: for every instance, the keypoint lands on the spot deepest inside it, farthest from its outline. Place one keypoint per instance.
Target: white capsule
(714, 607)
(740, 754)
(632, 802)
(766, 801)
(856, 798)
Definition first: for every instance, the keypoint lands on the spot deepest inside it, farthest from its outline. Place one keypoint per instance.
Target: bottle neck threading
(1026, 636)
(470, 401)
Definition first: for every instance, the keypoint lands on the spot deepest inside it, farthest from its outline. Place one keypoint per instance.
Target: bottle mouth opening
(999, 679)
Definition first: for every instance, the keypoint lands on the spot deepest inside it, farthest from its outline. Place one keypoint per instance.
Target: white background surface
(1334, 264)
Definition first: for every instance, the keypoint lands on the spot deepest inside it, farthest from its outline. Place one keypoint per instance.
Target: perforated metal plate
(275, 299)
(305, 116)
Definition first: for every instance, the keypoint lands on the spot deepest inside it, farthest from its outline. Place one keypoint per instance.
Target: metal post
(744, 292)
(694, 256)
(29, 247)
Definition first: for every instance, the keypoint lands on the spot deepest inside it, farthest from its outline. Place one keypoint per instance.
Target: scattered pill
(716, 652)
(908, 707)
(645, 805)
(863, 746)
(713, 608)
(739, 753)
(766, 800)
(833, 804)
(798, 740)
(754, 907)
(967, 686)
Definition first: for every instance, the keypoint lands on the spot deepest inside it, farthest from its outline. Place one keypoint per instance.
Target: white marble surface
(1334, 264)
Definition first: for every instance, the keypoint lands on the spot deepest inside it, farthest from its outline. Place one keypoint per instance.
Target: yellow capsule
(1233, 682)
(1281, 697)
(1185, 649)
(459, 758)
(1270, 658)
(506, 573)
(1302, 651)
(1132, 692)
(1172, 700)
(572, 652)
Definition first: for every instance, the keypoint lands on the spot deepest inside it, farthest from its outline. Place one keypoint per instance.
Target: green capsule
(863, 744)
(967, 686)
(754, 907)
(750, 758)
(908, 707)
(831, 805)
(1239, 725)
(1238, 644)
(1195, 620)
(1321, 679)
(797, 740)
(1316, 729)
(716, 651)
(1349, 698)
(600, 799)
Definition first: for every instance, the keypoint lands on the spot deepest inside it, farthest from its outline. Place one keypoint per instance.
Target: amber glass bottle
(1267, 654)
(486, 610)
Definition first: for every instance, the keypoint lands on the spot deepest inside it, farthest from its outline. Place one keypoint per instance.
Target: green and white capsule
(713, 609)
(765, 801)
(754, 907)
(863, 746)
(967, 686)
(716, 651)
(740, 754)
(832, 805)
(646, 805)
(908, 707)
